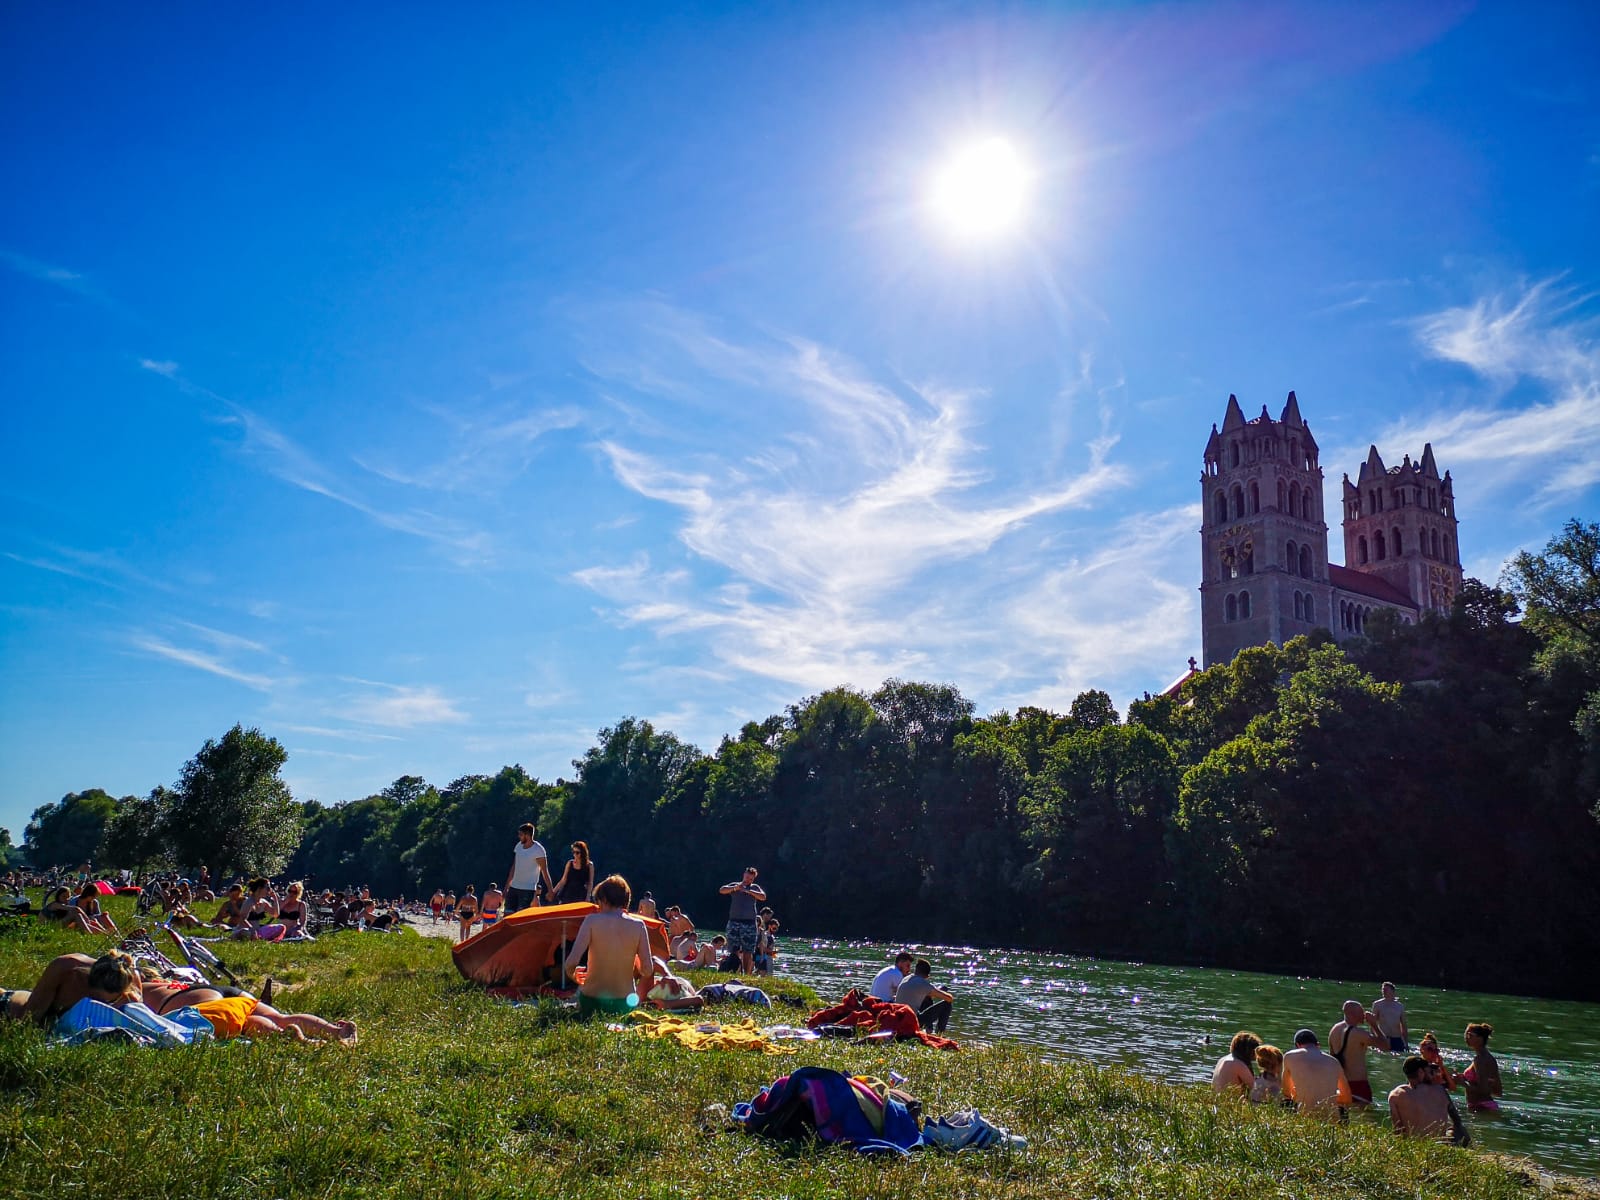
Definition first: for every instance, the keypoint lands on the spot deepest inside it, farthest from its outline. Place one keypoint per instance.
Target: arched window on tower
(1435, 543)
(1291, 560)
(1449, 552)
(1294, 499)
(1361, 548)
(1298, 607)
(1433, 499)
(1379, 546)
(1219, 505)
(1233, 454)
(1244, 606)
(1238, 501)
(1283, 496)
(1311, 608)
(1230, 608)
(1399, 546)
(1305, 562)
(1255, 496)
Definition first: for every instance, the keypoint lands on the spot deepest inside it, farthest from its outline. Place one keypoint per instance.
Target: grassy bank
(452, 1094)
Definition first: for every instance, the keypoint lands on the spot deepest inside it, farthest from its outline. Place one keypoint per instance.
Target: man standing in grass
(742, 931)
(620, 970)
(529, 864)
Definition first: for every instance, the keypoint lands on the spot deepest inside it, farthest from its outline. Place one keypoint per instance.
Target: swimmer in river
(1313, 1080)
(1483, 1076)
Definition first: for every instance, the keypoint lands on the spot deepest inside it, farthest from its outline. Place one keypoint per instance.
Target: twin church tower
(1266, 576)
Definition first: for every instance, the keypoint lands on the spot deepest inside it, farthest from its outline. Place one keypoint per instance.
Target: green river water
(1154, 1020)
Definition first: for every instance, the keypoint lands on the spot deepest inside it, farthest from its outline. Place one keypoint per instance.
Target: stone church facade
(1265, 572)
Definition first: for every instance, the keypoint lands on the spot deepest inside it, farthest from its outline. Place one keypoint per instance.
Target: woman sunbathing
(115, 980)
(94, 918)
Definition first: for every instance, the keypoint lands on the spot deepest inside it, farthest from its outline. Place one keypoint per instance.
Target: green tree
(69, 831)
(9, 854)
(231, 810)
(136, 836)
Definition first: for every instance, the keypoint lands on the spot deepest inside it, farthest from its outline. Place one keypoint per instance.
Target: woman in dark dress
(577, 881)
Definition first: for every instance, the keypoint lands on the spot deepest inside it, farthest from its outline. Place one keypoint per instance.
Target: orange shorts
(228, 1015)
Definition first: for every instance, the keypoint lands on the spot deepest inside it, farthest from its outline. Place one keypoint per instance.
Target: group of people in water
(1323, 1083)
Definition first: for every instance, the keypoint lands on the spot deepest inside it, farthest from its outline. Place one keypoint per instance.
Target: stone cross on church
(1265, 575)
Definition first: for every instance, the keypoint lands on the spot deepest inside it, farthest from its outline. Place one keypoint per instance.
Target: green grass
(450, 1093)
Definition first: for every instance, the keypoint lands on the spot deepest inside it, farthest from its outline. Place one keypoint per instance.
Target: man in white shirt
(888, 979)
(1391, 1014)
(529, 864)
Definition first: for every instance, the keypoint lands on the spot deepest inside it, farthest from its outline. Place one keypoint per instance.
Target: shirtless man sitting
(1420, 1107)
(678, 924)
(618, 946)
(1349, 1041)
(1312, 1079)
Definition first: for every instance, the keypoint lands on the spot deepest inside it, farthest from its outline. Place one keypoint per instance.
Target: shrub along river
(1156, 1021)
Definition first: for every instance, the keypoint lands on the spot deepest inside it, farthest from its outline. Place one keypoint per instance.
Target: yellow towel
(708, 1035)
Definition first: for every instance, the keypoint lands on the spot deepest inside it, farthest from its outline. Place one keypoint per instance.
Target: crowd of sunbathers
(1327, 1083)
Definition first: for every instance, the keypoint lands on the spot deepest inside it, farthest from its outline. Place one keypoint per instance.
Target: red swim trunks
(1361, 1090)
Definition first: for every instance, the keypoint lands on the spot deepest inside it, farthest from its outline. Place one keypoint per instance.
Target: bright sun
(981, 192)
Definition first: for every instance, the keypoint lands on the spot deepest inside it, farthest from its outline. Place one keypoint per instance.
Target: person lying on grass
(114, 979)
(66, 981)
(620, 970)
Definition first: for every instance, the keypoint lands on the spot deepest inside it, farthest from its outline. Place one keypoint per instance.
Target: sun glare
(981, 192)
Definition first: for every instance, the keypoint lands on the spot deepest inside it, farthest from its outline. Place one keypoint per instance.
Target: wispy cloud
(201, 661)
(75, 282)
(283, 457)
(348, 735)
(396, 706)
(863, 534)
(489, 448)
(1546, 444)
(92, 566)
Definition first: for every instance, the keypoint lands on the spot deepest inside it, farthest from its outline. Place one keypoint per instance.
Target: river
(1155, 1020)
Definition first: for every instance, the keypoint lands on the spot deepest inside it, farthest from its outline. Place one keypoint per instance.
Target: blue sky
(433, 388)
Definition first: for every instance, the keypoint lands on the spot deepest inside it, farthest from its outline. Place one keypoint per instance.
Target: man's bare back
(1314, 1081)
(619, 953)
(1420, 1110)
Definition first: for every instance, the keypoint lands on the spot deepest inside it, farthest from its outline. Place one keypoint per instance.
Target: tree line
(1420, 804)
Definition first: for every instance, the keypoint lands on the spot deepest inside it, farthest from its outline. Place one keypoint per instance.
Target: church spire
(1234, 417)
(1291, 412)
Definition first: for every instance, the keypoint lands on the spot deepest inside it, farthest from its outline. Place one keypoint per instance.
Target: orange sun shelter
(519, 951)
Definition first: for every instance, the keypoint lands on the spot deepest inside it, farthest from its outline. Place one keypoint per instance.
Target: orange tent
(519, 951)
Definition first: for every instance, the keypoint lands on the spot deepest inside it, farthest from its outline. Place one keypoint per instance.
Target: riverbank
(452, 1093)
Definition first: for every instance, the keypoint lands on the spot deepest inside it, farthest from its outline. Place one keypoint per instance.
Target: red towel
(880, 1016)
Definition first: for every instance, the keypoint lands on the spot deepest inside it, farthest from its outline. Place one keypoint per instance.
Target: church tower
(1264, 541)
(1400, 526)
